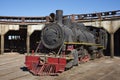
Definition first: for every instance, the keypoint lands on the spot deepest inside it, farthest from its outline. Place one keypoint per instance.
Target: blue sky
(45, 7)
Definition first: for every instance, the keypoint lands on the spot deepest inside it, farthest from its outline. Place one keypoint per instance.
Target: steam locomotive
(66, 44)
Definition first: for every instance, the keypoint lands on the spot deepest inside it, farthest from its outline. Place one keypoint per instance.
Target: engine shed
(22, 34)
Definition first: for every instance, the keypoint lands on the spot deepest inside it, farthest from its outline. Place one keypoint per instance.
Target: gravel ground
(100, 69)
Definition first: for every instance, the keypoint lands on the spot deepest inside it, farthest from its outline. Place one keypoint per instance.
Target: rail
(109, 15)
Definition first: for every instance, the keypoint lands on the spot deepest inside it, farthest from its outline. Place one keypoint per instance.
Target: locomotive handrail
(83, 43)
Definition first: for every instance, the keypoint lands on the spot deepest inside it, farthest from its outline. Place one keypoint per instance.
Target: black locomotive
(67, 43)
(61, 34)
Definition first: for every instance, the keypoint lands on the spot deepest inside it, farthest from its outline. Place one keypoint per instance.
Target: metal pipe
(59, 15)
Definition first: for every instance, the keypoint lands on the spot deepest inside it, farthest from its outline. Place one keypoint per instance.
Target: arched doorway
(15, 40)
(35, 39)
(117, 42)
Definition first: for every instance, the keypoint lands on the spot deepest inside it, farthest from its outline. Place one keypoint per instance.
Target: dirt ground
(11, 68)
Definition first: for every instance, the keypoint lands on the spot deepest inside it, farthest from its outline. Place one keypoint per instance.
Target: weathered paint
(110, 26)
(32, 28)
(5, 28)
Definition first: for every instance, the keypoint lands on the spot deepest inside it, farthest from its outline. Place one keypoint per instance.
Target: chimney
(59, 15)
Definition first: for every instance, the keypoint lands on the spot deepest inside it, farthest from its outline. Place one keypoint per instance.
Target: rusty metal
(21, 20)
(59, 15)
(73, 18)
(52, 66)
(99, 16)
(47, 19)
(109, 15)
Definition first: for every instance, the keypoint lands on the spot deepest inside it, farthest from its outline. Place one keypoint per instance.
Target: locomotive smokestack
(59, 15)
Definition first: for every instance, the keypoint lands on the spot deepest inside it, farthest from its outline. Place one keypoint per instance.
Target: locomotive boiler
(56, 33)
(66, 43)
